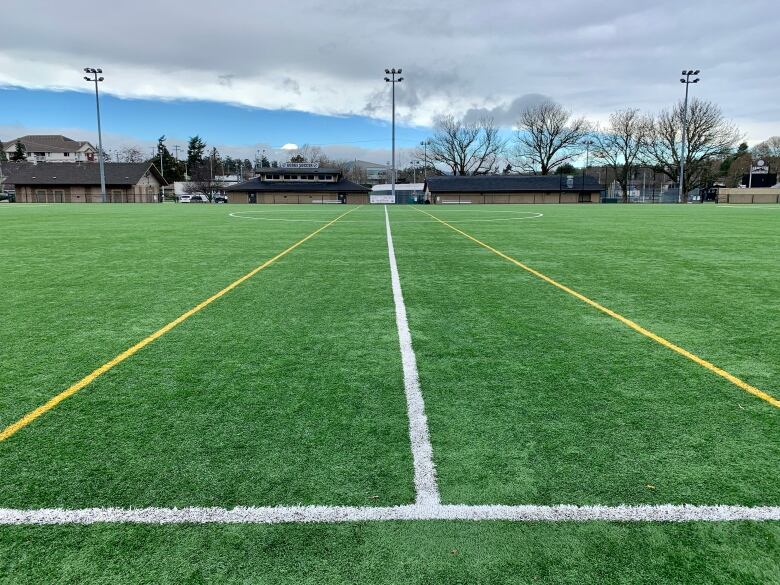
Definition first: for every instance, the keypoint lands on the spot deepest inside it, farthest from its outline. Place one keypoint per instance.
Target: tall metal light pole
(392, 80)
(687, 81)
(162, 170)
(425, 144)
(95, 72)
(588, 143)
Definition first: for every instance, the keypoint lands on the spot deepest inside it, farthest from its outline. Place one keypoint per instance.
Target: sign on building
(304, 165)
(760, 168)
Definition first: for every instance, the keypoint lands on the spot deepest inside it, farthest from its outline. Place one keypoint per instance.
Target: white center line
(338, 514)
(422, 453)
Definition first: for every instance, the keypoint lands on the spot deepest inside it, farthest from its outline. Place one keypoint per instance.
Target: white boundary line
(339, 514)
(425, 484)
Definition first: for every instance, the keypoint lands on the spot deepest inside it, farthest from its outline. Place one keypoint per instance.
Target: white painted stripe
(425, 484)
(337, 514)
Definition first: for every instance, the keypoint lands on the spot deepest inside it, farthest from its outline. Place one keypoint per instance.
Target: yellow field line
(12, 429)
(638, 328)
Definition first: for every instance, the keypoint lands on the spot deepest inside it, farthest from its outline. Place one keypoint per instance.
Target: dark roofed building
(80, 183)
(298, 183)
(513, 189)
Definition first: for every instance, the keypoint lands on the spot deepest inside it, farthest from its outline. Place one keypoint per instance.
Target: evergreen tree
(171, 169)
(195, 150)
(20, 154)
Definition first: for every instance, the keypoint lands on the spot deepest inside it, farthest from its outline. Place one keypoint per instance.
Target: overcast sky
(466, 58)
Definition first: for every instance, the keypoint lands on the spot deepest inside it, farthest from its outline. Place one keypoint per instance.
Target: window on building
(40, 195)
(59, 195)
(65, 154)
(288, 177)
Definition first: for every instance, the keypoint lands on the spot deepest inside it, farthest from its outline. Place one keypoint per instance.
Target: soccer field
(410, 394)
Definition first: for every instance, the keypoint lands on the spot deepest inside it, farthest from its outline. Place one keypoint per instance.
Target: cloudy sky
(250, 75)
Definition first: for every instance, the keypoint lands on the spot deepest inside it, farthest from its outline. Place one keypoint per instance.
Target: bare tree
(205, 186)
(353, 171)
(709, 136)
(130, 154)
(312, 154)
(769, 148)
(548, 136)
(466, 148)
(622, 143)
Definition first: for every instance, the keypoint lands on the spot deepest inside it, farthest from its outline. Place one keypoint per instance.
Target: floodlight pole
(95, 72)
(425, 144)
(687, 81)
(392, 80)
(588, 144)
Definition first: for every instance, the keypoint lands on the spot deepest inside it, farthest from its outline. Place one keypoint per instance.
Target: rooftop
(513, 183)
(47, 143)
(22, 173)
(298, 170)
(340, 186)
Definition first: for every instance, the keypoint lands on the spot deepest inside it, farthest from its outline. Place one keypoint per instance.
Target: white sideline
(425, 484)
(338, 514)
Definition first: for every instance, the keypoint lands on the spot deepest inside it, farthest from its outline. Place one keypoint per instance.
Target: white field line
(338, 514)
(425, 484)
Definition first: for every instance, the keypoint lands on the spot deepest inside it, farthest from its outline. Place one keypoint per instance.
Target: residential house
(52, 148)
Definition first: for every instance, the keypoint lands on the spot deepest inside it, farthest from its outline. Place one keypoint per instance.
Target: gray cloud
(458, 56)
(506, 114)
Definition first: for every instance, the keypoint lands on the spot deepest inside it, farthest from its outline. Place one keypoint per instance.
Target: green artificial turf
(288, 389)
(421, 553)
(535, 397)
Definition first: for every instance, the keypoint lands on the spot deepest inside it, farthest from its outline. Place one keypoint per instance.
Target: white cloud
(459, 57)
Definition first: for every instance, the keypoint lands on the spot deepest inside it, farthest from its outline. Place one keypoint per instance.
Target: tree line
(549, 138)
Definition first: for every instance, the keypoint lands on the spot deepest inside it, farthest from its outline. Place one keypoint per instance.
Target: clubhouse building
(298, 183)
(512, 189)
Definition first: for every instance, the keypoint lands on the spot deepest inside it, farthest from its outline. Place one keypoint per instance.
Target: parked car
(220, 198)
(198, 198)
(184, 198)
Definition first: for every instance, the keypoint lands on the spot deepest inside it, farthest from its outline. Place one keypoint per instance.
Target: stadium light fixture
(96, 78)
(392, 80)
(687, 81)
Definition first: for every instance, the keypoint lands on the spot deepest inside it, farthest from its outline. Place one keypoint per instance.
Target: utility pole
(95, 72)
(392, 80)
(687, 81)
